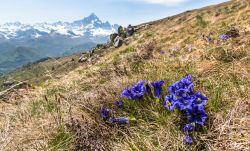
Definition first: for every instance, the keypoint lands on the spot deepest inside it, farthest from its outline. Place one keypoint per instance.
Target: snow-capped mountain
(25, 43)
(89, 26)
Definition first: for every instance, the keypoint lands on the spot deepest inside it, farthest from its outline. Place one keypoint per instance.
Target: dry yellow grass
(34, 122)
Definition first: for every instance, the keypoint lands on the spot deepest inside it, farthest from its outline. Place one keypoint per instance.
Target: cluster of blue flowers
(224, 37)
(183, 98)
(136, 92)
(140, 89)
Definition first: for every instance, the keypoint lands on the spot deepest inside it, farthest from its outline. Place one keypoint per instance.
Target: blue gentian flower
(183, 97)
(184, 102)
(119, 120)
(122, 120)
(197, 114)
(200, 99)
(188, 128)
(106, 113)
(181, 103)
(224, 37)
(157, 88)
(138, 90)
(188, 140)
(183, 86)
(169, 102)
(209, 39)
(112, 120)
(127, 93)
(119, 103)
(148, 89)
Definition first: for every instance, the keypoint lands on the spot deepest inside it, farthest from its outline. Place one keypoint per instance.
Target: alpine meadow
(181, 83)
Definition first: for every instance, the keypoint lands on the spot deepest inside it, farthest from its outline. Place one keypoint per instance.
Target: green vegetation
(148, 35)
(61, 140)
(201, 22)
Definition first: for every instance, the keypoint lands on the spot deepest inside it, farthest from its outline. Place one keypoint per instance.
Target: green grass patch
(148, 35)
(61, 140)
(128, 50)
(43, 105)
(201, 22)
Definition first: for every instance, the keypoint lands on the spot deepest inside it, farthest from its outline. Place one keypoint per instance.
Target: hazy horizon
(123, 12)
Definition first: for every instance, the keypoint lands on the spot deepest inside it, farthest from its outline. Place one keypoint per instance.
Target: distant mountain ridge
(88, 26)
(49, 39)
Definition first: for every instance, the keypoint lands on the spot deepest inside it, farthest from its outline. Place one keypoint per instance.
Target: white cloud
(164, 2)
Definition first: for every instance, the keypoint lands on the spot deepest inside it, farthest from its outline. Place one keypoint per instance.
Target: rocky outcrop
(117, 39)
(112, 37)
(83, 58)
(118, 42)
(130, 31)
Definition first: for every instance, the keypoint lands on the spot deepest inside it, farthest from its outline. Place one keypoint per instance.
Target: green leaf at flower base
(132, 118)
(157, 100)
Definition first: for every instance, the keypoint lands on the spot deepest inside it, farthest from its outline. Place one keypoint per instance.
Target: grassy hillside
(17, 57)
(62, 110)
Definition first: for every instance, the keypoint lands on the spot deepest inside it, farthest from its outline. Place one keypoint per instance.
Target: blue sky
(116, 11)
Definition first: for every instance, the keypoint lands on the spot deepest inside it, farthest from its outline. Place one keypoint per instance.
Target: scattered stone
(117, 39)
(122, 32)
(126, 41)
(112, 37)
(118, 42)
(130, 31)
(123, 35)
(90, 60)
(101, 46)
(83, 58)
(8, 83)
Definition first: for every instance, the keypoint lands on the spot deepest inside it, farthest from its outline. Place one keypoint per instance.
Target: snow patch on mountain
(88, 26)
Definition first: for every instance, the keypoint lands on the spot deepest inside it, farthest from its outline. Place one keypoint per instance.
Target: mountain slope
(63, 111)
(51, 40)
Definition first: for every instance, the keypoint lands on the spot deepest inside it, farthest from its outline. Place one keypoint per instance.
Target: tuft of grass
(137, 66)
(36, 107)
(61, 140)
(215, 98)
(43, 106)
(200, 21)
(129, 49)
(148, 35)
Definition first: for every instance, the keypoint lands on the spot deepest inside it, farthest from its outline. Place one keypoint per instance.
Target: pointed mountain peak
(91, 19)
(92, 16)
